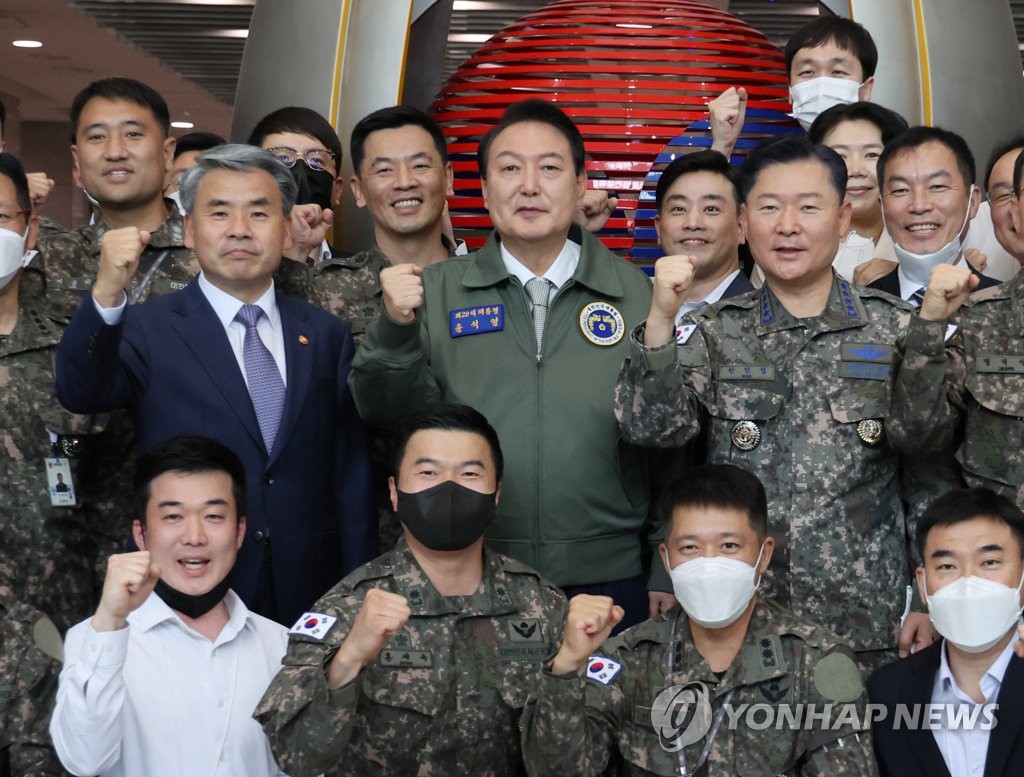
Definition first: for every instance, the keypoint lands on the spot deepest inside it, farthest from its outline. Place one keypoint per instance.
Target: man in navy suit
(230, 358)
(972, 546)
(698, 201)
(926, 178)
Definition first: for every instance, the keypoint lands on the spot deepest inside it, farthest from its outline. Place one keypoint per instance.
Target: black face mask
(314, 185)
(192, 605)
(446, 516)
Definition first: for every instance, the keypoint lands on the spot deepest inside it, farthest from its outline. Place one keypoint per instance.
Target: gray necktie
(539, 290)
(265, 385)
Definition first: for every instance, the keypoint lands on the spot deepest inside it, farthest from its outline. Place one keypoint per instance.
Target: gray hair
(240, 158)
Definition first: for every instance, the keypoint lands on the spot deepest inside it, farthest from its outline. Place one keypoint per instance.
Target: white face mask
(918, 267)
(974, 613)
(13, 255)
(715, 591)
(816, 95)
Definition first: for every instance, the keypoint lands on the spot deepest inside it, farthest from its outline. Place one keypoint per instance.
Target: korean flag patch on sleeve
(313, 624)
(602, 670)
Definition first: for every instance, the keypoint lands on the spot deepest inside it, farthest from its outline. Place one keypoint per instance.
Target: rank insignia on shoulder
(476, 320)
(601, 323)
(684, 332)
(602, 670)
(313, 624)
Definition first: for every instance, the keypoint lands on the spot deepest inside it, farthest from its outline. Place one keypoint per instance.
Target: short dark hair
(844, 33)
(394, 117)
(783, 149)
(126, 89)
(724, 486)
(540, 111)
(197, 141)
(240, 158)
(965, 504)
(697, 162)
(187, 454)
(303, 121)
(448, 417)
(1018, 171)
(1000, 149)
(11, 168)
(3, 117)
(889, 123)
(915, 137)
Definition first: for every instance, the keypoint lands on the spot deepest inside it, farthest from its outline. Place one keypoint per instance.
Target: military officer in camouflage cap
(793, 381)
(420, 662)
(30, 651)
(723, 650)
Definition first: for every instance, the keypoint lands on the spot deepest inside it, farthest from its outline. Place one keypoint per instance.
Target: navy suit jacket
(171, 364)
(890, 282)
(914, 753)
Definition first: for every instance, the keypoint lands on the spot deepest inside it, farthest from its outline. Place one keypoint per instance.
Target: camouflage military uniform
(54, 547)
(573, 723)
(29, 665)
(801, 403)
(445, 694)
(68, 262)
(969, 391)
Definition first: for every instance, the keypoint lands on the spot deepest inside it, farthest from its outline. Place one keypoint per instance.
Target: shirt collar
(226, 307)
(908, 287)
(154, 611)
(992, 680)
(844, 310)
(560, 271)
(712, 297)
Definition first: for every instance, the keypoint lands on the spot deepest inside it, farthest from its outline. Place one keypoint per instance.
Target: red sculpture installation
(635, 75)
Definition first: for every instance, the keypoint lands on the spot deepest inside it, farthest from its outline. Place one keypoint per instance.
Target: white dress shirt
(963, 748)
(226, 307)
(158, 699)
(558, 274)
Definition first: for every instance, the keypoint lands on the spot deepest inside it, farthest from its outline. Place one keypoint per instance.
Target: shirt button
(259, 535)
(220, 703)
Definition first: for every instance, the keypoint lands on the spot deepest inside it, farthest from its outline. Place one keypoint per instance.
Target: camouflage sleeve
(927, 397)
(564, 731)
(309, 725)
(839, 744)
(25, 721)
(658, 397)
(294, 279)
(391, 373)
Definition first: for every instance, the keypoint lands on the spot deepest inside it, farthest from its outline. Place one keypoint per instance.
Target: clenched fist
(673, 277)
(589, 622)
(402, 288)
(129, 581)
(382, 615)
(120, 250)
(948, 288)
(727, 113)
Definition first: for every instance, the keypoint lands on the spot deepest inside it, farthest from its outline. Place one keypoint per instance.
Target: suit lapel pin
(303, 340)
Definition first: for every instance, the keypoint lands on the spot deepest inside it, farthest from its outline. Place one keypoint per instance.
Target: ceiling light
(27, 44)
(182, 124)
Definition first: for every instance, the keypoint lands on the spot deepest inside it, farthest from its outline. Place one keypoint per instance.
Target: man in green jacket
(531, 331)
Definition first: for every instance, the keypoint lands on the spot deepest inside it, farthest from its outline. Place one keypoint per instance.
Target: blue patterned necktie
(917, 297)
(265, 385)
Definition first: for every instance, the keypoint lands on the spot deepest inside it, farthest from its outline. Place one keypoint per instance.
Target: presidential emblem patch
(602, 324)
(313, 624)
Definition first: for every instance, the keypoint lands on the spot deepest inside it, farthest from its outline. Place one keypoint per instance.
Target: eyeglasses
(6, 219)
(1001, 199)
(315, 158)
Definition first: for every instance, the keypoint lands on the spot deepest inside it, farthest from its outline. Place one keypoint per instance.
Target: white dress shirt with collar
(158, 699)
(712, 297)
(964, 748)
(558, 274)
(226, 307)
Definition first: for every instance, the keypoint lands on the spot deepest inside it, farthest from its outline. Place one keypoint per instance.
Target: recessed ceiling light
(27, 44)
(182, 124)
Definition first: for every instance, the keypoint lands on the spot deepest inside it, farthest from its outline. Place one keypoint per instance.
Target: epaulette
(354, 262)
(991, 294)
(745, 301)
(786, 623)
(656, 630)
(514, 567)
(868, 293)
(380, 567)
